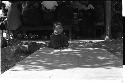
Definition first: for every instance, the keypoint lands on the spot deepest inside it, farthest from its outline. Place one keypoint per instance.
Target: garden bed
(12, 54)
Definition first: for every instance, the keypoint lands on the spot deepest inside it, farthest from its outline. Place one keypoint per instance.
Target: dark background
(87, 24)
(81, 24)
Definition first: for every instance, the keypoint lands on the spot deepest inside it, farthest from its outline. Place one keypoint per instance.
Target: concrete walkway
(76, 63)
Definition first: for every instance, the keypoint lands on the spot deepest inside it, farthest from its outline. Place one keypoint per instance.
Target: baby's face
(58, 29)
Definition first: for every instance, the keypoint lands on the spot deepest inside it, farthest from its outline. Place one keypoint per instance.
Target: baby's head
(58, 29)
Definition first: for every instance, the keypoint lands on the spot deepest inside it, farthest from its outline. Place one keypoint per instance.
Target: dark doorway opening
(91, 23)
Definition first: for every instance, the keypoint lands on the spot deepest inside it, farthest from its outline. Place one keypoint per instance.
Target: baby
(58, 39)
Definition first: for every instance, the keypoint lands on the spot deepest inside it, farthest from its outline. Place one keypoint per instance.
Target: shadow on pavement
(49, 59)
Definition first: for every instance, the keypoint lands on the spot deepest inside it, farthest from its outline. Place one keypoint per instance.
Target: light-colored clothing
(50, 4)
(13, 18)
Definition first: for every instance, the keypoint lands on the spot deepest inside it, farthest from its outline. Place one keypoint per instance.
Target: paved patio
(77, 63)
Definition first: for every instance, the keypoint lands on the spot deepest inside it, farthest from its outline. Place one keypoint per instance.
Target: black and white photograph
(69, 40)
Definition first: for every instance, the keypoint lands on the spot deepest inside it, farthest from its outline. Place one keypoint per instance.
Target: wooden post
(1, 33)
(0, 46)
(108, 18)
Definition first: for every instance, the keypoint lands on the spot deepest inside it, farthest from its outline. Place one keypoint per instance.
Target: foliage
(3, 42)
(16, 52)
(33, 47)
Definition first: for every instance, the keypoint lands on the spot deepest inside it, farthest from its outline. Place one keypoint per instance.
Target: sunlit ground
(75, 62)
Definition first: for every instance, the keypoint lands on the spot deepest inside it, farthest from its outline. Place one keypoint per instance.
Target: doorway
(90, 24)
